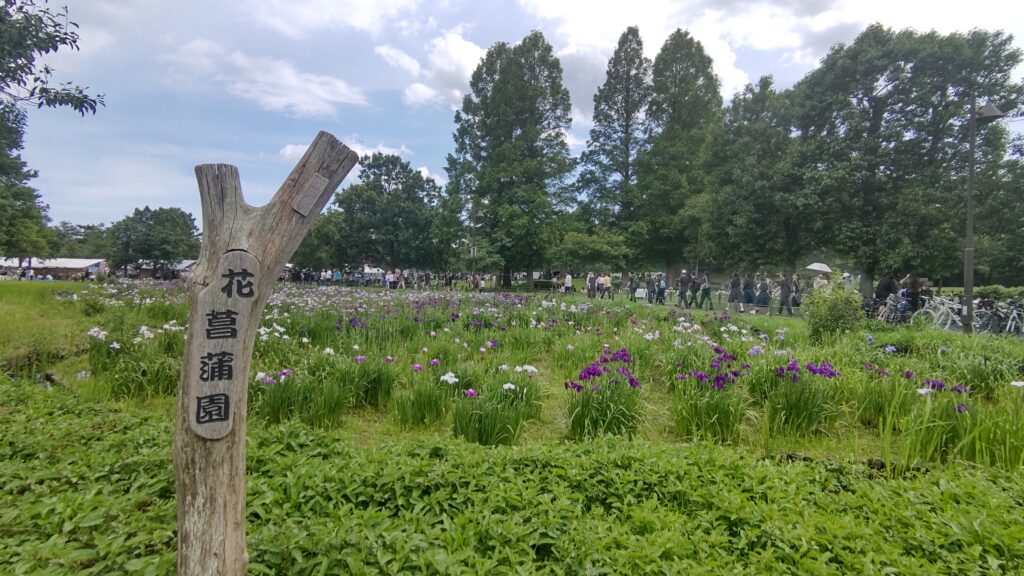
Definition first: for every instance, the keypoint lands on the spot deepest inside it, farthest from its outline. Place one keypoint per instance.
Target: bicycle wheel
(923, 318)
(1013, 325)
(983, 322)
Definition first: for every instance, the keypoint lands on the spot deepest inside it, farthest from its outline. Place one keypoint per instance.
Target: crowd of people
(395, 279)
(694, 290)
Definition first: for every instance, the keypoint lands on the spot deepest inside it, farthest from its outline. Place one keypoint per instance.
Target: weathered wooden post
(244, 250)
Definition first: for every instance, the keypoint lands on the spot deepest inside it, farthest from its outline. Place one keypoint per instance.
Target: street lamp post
(988, 114)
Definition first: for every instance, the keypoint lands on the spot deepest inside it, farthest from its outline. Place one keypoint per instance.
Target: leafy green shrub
(999, 292)
(701, 411)
(834, 310)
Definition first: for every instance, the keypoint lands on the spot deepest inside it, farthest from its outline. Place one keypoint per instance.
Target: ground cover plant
(95, 495)
(473, 388)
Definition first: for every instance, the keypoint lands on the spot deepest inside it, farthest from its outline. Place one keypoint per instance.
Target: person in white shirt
(567, 286)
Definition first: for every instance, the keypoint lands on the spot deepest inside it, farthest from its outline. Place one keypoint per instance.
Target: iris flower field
(419, 432)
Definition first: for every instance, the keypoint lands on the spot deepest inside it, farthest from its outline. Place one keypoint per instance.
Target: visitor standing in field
(748, 290)
(705, 293)
(735, 294)
(785, 295)
(649, 286)
(606, 282)
(632, 286)
(764, 298)
(682, 288)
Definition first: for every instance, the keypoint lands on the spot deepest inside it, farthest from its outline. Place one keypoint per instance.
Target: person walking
(567, 284)
(735, 294)
(785, 295)
(660, 286)
(705, 293)
(608, 287)
(764, 298)
(632, 287)
(748, 291)
(649, 285)
(683, 289)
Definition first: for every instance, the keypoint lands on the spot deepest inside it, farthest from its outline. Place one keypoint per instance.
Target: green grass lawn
(39, 329)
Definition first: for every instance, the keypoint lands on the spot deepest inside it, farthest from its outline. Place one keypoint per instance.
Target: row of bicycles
(990, 317)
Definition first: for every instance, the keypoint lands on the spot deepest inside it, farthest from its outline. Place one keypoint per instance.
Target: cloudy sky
(250, 82)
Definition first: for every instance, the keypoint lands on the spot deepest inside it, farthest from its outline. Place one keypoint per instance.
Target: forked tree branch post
(244, 250)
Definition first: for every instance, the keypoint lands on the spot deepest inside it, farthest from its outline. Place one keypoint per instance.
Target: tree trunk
(248, 247)
(506, 277)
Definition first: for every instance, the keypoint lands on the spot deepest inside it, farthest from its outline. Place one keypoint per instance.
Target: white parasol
(819, 267)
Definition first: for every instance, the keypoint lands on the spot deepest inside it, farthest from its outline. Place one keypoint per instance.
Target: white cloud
(124, 181)
(292, 152)
(581, 119)
(300, 18)
(417, 94)
(575, 143)
(398, 59)
(271, 83)
(426, 173)
(450, 61)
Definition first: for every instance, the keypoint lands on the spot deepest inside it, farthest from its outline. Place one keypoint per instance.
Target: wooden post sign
(244, 250)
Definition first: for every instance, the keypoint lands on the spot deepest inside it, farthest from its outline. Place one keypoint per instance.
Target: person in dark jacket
(785, 294)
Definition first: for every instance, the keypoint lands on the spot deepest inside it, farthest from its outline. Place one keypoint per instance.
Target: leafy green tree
(618, 137)
(1000, 220)
(761, 210)
(322, 248)
(29, 30)
(683, 116)
(511, 157)
(601, 249)
(883, 126)
(387, 217)
(86, 241)
(159, 238)
(23, 214)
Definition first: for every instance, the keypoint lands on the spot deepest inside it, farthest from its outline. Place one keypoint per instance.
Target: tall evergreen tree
(618, 136)
(683, 115)
(511, 157)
